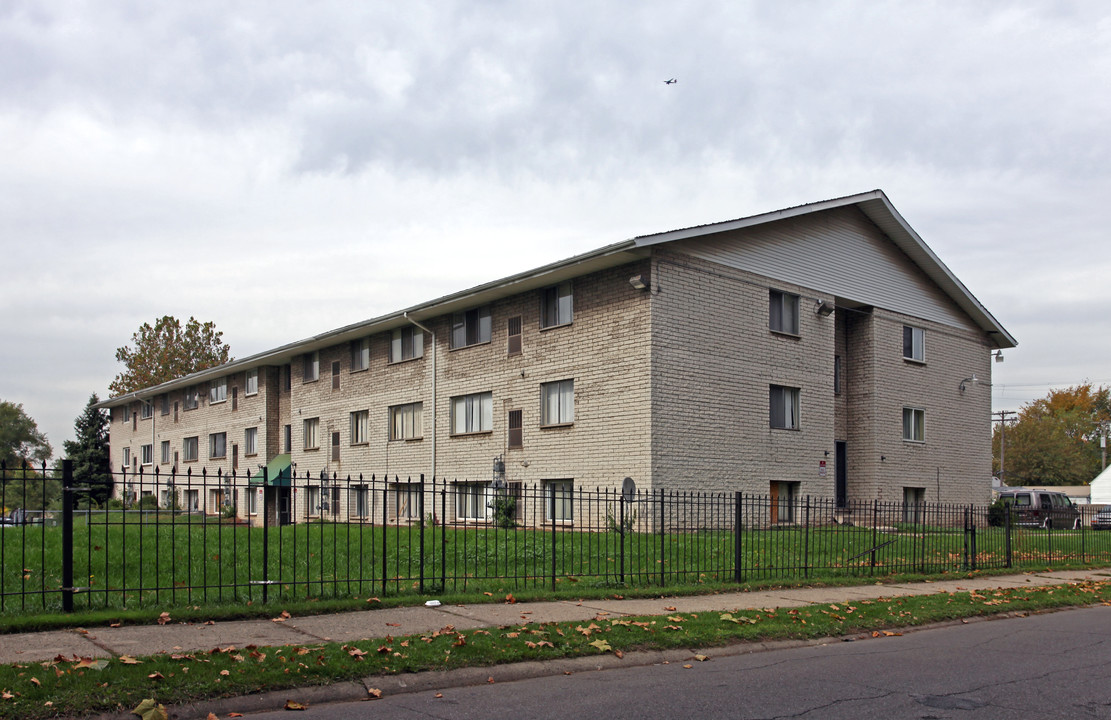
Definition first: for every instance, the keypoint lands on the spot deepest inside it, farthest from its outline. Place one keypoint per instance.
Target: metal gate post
(68, 499)
(737, 508)
(266, 536)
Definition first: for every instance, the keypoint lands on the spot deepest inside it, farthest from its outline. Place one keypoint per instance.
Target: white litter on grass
(432, 603)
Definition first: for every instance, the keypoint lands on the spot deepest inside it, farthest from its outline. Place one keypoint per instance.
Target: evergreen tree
(92, 466)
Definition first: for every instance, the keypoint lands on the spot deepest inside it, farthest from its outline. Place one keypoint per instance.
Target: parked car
(1037, 508)
(1102, 520)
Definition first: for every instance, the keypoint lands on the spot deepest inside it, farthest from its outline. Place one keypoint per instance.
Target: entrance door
(285, 506)
(841, 476)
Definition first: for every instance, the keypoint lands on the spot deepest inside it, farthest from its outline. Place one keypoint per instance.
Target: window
(287, 438)
(470, 328)
(406, 421)
(287, 375)
(407, 501)
(472, 413)
(192, 397)
(784, 405)
(311, 369)
(310, 429)
(126, 456)
(127, 413)
(783, 312)
(914, 343)
(360, 421)
(516, 429)
(513, 330)
(559, 496)
(783, 499)
(252, 383)
(312, 500)
(218, 445)
(360, 354)
(914, 504)
(251, 497)
(836, 374)
(914, 424)
(557, 403)
(147, 453)
(146, 409)
(335, 374)
(218, 391)
(250, 441)
(408, 342)
(555, 305)
(190, 449)
(360, 500)
(192, 500)
(165, 452)
(471, 501)
(165, 402)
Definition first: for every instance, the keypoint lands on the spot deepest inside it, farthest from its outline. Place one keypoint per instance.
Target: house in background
(820, 350)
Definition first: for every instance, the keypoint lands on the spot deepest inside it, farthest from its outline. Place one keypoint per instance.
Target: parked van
(1038, 508)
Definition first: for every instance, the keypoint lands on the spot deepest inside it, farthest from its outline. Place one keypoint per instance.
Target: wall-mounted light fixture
(638, 282)
(823, 308)
(998, 355)
(973, 380)
(882, 458)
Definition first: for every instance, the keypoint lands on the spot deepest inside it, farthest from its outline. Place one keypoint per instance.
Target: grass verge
(75, 686)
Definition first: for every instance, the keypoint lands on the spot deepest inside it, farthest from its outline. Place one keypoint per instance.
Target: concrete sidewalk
(351, 626)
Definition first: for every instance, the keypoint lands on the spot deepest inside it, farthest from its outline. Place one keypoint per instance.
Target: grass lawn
(75, 686)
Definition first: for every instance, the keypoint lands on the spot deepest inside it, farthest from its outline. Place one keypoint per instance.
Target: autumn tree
(23, 447)
(161, 352)
(1055, 440)
(92, 466)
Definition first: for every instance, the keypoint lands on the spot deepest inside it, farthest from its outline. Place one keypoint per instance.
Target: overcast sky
(285, 168)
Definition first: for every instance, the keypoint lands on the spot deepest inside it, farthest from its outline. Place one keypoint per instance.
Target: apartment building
(819, 350)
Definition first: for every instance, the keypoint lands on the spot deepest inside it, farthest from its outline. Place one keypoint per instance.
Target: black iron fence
(199, 538)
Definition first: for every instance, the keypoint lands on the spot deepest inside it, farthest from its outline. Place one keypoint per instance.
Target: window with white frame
(192, 500)
(914, 424)
(190, 449)
(165, 452)
(146, 409)
(251, 496)
(406, 343)
(218, 391)
(250, 441)
(360, 354)
(471, 501)
(406, 421)
(311, 427)
(360, 427)
(192, 397)
(783, 312)
(127, 413)
(360, 501)
(784, 407)
(559, 497)
(470, 328)
(218, 445)
(472, 413)
(251, 385)
(557, 403)
(556, 305)
(126, 456)
(312, 500)
(914, 344)
(311, 368)
(406, 500)
(146, 453)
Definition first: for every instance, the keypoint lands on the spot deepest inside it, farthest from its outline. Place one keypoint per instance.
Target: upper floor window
(311, 371)
(408, 342)
(189, 449)
(146, 409)
(252, 382)
(513, 333)
(360, 421)
(556, 305)
(557, 403)
(218, 391)
(360, 354)
(218, 445)
(192, 397)
(311, 428)
(406, 421)
(127, 413)
(126, 456)
(914, 343)
(914, 424)
(472, 413)
(250, 441)
(784, 407)
(470, 328)
(783, 312)
(165, 401)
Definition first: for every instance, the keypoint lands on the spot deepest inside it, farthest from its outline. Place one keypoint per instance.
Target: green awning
(277, 472)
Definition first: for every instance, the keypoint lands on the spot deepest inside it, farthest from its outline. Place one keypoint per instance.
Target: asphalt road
(1054, 666)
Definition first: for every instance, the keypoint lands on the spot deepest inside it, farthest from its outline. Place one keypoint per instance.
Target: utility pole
(1002, 420)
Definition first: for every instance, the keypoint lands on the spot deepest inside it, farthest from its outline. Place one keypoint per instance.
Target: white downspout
(434, 403)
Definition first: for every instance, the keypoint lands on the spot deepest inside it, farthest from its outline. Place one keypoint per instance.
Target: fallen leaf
(670, 608)
(128, 660)
(291, 705)
(156, 676)
(440, 695)
(150, 710)
(701, 658)
(620, 655)
(164, 618)
(374, 693)
(601, 645)
(688, 666)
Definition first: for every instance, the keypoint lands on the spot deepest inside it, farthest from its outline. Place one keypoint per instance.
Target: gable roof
(873, 204)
